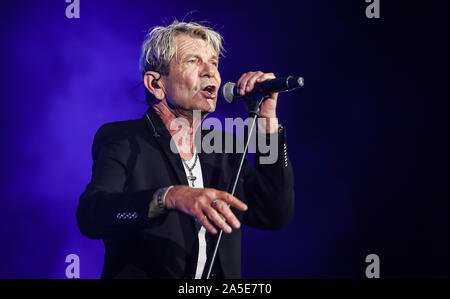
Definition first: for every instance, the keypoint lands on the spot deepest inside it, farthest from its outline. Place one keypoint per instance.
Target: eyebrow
(214, 57)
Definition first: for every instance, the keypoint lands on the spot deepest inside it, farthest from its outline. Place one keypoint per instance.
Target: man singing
(159, 211)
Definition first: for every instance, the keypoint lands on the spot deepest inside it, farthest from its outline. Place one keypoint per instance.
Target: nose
(208, 70)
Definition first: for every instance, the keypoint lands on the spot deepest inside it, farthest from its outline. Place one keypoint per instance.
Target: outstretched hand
(198, 202)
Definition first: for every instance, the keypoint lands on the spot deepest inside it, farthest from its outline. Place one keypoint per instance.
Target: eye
(191, 61)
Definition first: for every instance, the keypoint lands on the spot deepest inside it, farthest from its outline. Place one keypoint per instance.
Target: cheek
(189, 82)
(193, 85)
(217, 76)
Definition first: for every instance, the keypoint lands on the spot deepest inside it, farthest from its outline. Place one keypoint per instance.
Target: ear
(154, 85)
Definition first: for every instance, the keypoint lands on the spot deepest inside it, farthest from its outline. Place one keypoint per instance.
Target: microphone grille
(227, 92)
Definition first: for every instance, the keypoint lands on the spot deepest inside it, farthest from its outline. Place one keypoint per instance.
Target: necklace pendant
(192, 178)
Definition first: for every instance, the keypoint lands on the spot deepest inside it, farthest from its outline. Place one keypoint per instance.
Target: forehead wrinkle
(197, 47)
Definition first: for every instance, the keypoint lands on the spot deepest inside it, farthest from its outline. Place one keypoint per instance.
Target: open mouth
(210, 91)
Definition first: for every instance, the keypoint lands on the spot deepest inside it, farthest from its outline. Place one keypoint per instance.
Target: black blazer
(132, 159)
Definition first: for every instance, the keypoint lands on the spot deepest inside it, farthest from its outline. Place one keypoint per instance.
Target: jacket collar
(162, 136)
(158, 130)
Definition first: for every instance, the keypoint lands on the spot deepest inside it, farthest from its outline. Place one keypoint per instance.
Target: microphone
(230, 94)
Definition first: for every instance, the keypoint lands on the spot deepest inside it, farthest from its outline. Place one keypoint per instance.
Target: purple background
(368, 134)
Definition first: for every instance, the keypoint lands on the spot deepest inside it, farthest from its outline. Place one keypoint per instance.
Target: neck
(181, 125)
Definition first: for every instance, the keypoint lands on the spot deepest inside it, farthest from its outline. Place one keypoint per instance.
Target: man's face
(194, 80)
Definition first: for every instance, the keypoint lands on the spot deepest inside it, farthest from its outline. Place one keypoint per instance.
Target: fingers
(242, 82)
(203, 219)
(247, 81)
(231, 200)
(219, 215)
(225, 211)
(264, 77)
(222, 214)
(257, 77)
(218, 220)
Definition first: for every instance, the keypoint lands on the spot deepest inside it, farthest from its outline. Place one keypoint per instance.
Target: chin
(208, 106)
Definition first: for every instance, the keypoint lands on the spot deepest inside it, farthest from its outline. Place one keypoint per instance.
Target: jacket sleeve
(105, 208)
(269, 186)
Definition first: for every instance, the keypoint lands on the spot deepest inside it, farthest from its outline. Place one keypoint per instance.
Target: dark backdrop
(368, 134)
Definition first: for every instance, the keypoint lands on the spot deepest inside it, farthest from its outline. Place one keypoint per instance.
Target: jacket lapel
(163, 137)
(210, 164)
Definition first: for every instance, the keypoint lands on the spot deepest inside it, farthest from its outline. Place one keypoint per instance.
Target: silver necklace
(191, 177)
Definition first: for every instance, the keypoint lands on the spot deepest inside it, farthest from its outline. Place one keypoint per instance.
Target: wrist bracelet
(161, 197)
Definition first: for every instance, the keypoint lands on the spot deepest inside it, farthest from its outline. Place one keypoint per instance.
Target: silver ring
(214, 202)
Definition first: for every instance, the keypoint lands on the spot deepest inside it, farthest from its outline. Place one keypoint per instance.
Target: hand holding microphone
(252, 86)
(258, 84)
